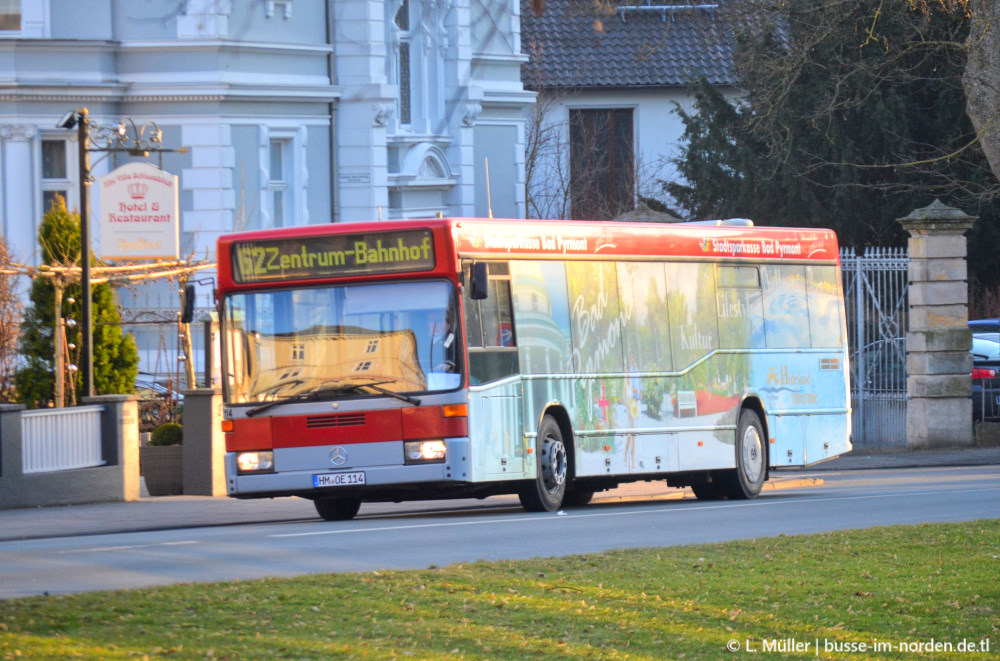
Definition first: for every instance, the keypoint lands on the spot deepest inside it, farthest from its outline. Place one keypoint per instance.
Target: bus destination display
(332, 256)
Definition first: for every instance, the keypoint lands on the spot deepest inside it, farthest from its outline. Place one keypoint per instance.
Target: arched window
(418, 42)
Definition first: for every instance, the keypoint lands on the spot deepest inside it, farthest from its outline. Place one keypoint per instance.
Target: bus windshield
(361, 339)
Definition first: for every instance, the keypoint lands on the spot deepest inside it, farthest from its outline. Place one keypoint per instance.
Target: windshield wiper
(301, 397)
(338, 388)
(398, 395)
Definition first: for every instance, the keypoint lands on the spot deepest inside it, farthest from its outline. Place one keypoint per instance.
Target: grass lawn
(912, 590)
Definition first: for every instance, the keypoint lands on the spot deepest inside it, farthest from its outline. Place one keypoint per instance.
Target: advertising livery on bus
(445, 358)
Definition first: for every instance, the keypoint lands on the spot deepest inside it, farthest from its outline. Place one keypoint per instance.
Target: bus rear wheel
(337, 509)
(708, 491)
(577, 497)
(751, 459)
(545, 493)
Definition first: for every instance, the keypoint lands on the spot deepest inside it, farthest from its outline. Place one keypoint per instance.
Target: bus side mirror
(187, 304)
(479, 287)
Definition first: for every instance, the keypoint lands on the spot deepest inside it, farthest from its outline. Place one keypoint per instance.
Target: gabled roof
(604, 43)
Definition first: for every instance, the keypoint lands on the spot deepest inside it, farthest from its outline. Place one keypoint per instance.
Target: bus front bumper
(364, 468)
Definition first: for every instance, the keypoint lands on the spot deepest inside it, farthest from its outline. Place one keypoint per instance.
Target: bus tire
(751, 459)
(545, 493)
(708, 491)
(337, 509)
(577, 497)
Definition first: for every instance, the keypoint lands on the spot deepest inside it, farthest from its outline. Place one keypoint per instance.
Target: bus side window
(823, 290)
(786, 312)
(490, 329)
(740, 307)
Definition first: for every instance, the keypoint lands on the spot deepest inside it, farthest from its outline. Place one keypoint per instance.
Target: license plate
(339, 479)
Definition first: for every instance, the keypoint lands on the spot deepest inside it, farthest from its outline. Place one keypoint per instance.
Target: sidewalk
(193, 511)
(975, 456)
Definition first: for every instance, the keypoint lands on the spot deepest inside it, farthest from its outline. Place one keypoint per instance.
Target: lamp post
(87, 333)
(143, 140)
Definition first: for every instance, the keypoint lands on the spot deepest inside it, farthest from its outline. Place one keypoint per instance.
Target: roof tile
(583, 44)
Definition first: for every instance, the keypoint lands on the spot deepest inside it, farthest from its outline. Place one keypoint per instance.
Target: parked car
(984, 325)
(879, 368)
(985, 369)
(883, 370)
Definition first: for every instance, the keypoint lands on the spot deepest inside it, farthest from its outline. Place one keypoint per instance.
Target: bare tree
(584, 167)
(982, 77)
(882, 44)
(10, 323)
(571, 171)
(546, 167)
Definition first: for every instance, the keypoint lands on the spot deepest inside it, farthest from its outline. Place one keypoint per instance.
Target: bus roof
(612, 239)
(635, 239)
(433, 247)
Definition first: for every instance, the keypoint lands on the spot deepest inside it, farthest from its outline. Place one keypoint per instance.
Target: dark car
(984, 325)
(985, 369)
(883, 370)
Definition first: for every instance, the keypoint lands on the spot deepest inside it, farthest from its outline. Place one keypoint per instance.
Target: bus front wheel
(337, 509)
(545, 493)
(751, 459)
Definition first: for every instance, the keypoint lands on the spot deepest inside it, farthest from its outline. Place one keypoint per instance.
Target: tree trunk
(982, 77)
(190, 381)
(58, 338)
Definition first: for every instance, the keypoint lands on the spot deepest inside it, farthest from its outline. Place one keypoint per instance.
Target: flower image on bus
(463, 357)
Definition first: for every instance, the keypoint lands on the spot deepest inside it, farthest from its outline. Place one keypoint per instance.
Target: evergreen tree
(116, 357)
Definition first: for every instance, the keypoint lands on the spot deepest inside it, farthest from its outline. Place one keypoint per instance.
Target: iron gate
(875, 295)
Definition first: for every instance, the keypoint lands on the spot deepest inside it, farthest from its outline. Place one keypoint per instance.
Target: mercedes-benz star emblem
(338, 456)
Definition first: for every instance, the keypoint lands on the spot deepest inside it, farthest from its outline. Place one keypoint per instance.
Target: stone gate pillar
(204, 443)
(938, 341)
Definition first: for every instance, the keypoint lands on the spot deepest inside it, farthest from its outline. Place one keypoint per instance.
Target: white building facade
(610, 77)
(291, 112)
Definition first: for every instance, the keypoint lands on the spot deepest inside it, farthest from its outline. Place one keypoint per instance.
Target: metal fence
(61, 439)
(875, 295)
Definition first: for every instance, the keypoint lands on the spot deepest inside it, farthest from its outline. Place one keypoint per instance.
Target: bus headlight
(424, 452)
(255, 462)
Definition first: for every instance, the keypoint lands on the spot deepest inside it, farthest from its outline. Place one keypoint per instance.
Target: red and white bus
(460, 357)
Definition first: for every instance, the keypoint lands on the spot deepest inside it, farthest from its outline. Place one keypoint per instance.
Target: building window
(27, 20)
(10, 15)
(602, 163)
(281, 206)
(284, 5)
(403, 62)
(55, 171)
(283, 177)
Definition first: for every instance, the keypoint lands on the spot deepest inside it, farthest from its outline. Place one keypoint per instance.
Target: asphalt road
(435, 534)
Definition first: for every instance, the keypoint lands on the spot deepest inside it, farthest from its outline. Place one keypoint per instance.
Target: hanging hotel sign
(139, 214)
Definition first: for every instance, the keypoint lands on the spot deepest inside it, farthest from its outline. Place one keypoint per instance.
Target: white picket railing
(61, 439)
